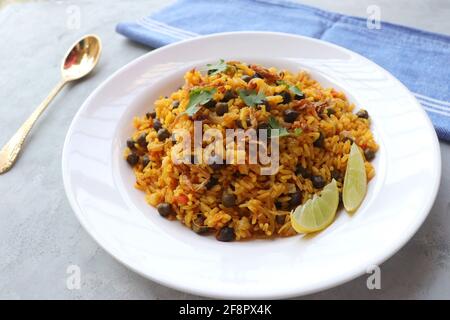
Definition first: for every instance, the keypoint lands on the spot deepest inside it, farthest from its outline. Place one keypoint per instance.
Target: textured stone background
(39, 234)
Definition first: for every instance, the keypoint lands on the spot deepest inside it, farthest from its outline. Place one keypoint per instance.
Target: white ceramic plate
(99, 183)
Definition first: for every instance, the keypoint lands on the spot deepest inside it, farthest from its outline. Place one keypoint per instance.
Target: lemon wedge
(355, 181)
(317, 213)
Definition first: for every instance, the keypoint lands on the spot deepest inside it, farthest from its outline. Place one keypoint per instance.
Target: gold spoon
(79, 61)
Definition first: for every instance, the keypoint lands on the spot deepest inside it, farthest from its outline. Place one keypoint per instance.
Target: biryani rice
(262, 202)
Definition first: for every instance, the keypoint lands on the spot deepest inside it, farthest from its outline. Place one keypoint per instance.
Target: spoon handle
(10, 151)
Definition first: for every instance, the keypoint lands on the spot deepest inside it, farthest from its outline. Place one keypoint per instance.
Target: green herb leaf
(276, 128)
(294, 89)
(251, 98)
(218, 67)
(298, 131)
(198, 97)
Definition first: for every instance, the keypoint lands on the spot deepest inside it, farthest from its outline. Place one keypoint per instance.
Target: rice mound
(318, 151)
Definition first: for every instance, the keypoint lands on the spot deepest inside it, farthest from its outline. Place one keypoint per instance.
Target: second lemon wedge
(317, 213)
(355, 181)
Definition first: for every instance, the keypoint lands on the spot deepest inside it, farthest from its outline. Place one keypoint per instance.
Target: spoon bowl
(81, 58)
(78, 62)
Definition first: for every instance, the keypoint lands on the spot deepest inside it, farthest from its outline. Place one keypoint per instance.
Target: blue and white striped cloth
(421, 60)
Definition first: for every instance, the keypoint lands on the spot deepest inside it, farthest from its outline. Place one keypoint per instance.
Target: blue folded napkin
(421, 60)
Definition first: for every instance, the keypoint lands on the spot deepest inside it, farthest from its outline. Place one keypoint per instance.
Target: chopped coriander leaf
(276, 129)
(215, 68)
(298, 131)
(294, 89)
(279, 132)
(198, 97)
(251, 98)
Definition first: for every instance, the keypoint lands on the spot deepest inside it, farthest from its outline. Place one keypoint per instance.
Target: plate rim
(293, 292)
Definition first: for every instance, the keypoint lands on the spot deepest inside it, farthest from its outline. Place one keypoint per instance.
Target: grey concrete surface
(40, 235)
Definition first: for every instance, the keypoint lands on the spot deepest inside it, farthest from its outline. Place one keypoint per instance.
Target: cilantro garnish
(251, 98)
(294, 89)
(276, 129)
(214, 68)
(298, 131)
(198, 97)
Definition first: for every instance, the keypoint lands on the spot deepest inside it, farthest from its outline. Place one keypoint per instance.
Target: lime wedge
(355, 181)
(317, 213)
